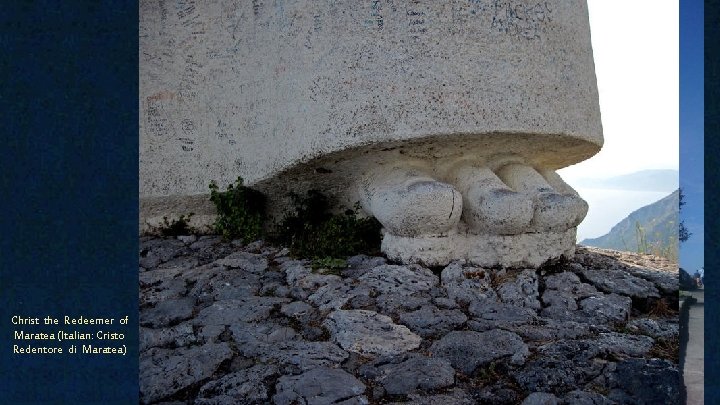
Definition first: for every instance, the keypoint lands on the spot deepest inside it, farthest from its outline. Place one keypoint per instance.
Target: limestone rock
(656, 328)
(488, 315)
(252, 263)
(544, 329)
(333, 296)
(241, 386)
(522, 291)
(665, 281)
(319, 386)
(430, 321)
(156, 251)
(295, 355)
(397, 304)
(298, 275)
(361, 264)
(467, 284)
(444, 303)
(403, 280)
(560, 367)
(164, 372)
(179, 262)
(187, 239)
(453, 397)
(609, 307)
(177, 336)
(415, 373)
(168, 313)
(585, 398)
(651, 381)
(213, 340)
(296, 309)
(370, 333)
(251, 333)
(205, 241)
(468, 350)
(624, 344)
(618, 282)
(540, 398)
(558, 301)
(570, 283)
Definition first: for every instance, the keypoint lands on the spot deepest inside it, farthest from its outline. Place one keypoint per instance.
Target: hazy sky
(649, 66)
(635, 46)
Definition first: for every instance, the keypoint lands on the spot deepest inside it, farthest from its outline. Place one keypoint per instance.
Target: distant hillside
(646, 180)
(650, 229)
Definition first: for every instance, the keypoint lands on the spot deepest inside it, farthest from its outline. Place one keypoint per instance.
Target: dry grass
(668, 349)
(661, 309)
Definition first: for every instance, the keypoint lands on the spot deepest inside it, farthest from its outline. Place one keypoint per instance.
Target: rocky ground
(223, 323)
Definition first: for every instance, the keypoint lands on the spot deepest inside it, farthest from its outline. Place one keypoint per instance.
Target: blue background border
(712, 196)
(69, 191)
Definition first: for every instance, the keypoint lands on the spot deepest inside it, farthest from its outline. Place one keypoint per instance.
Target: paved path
(694, 369)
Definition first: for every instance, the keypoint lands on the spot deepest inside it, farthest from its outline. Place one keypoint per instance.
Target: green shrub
(313, 232)
(176, 227)
(241, 211)
(329, 265)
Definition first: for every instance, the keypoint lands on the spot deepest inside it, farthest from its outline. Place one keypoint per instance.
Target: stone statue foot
(490, 206)
(408, 202)
(494, 213)
(557, 207)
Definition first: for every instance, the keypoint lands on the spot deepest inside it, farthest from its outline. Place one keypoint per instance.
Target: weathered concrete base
(523, 250)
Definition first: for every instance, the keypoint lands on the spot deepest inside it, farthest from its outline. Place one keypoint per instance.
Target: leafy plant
(241, 211)
(330, 264)
(683, 233)
(176, 227)
(314, 232)
(667, 249)
(642, 245)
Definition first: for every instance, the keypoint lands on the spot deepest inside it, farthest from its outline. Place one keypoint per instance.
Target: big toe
(407, 204)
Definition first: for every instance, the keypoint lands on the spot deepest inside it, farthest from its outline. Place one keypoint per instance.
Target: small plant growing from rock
(487, 375)
(176, 227)
(314, 232)
(241, 211)
(329, 265)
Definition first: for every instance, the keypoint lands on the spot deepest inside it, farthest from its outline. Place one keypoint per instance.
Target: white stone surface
(232, 88)
(523, 250)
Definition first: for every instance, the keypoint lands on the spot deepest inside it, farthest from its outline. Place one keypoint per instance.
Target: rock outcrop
(223, 323)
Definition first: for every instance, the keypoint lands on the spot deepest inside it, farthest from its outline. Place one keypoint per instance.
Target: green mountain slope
(650, 229)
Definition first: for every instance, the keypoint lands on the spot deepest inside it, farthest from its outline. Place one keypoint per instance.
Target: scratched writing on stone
(157, 115)
(520, 19)
(188, 9)
(416, 21)
(256, 6)
(376, 18)
(186, 144)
